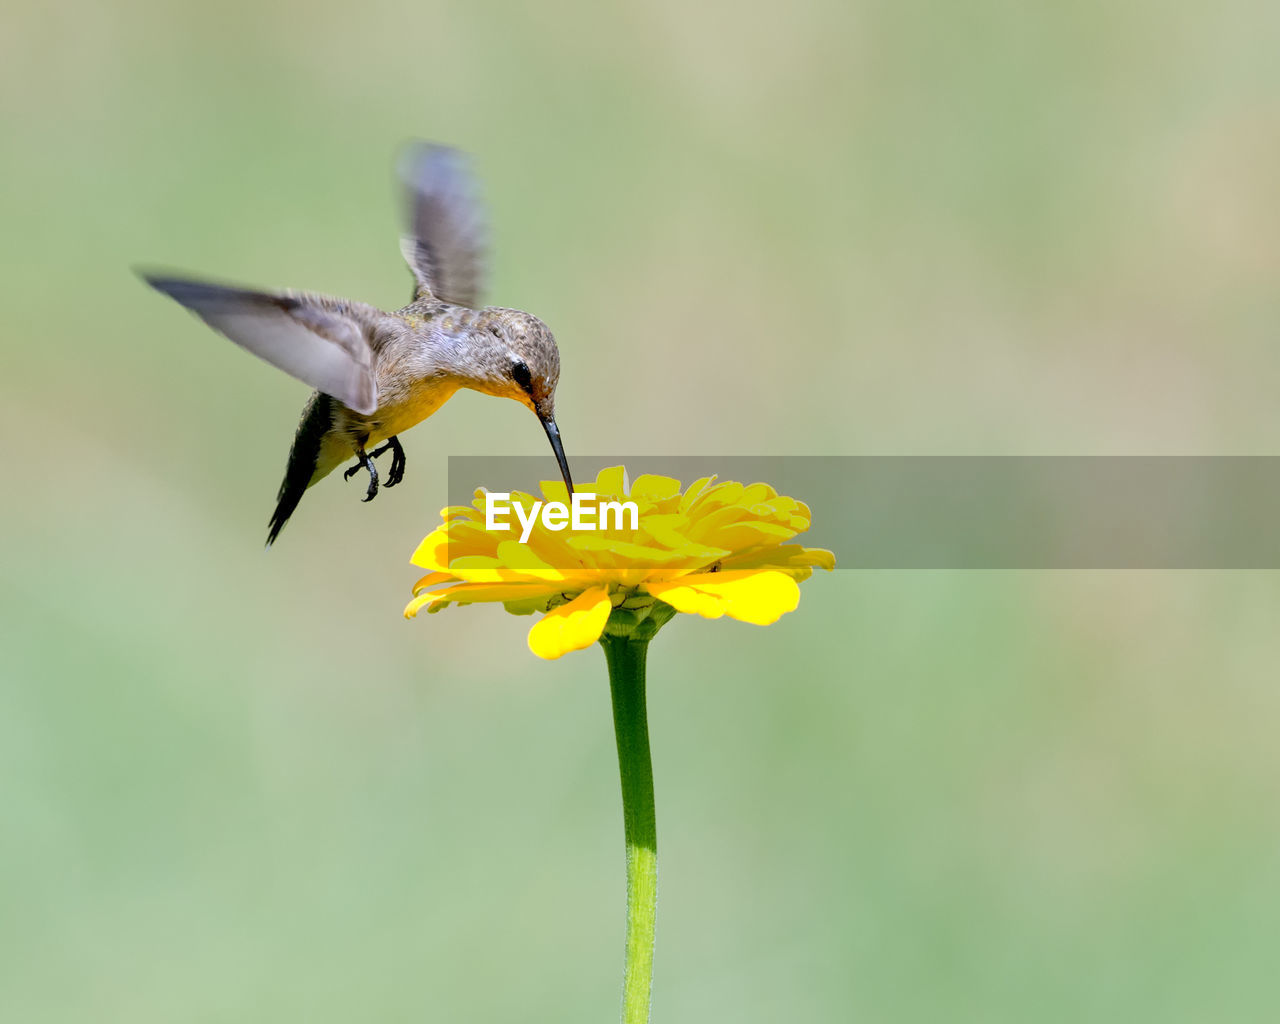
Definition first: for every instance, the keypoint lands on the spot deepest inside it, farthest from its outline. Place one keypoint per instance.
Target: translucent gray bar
(988, 512)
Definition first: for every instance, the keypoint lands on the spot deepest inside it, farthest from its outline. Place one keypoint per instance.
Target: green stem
(626, 657)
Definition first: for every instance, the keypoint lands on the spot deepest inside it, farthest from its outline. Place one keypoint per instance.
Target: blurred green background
(236, 786)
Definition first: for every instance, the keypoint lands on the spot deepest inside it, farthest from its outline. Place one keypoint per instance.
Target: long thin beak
(553, 435)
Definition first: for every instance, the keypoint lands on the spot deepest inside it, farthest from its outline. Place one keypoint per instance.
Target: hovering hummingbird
(377, 374)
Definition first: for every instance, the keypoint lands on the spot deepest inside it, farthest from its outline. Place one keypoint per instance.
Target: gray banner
(1000, 512)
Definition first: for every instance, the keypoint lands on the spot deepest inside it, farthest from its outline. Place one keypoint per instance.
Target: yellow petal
(707, 519)
(741, 536)
(715, 496)
(693, 492)
(430, 580)
(760, 598)
(670, 531)
(524, 560)
(572, 626)
(433, 552)
(612, 481)
(655, 488)
(471, 593)
(755, 493)
(611, 551)
(820, 557)
(785, 557)
(554, 490)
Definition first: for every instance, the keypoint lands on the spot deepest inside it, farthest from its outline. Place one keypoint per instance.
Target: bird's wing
(321, 341)
(447, 239)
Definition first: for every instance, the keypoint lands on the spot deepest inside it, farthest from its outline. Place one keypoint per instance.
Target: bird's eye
(521, 375)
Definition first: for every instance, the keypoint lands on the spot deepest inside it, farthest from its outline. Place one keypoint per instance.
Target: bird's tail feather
(303, 460)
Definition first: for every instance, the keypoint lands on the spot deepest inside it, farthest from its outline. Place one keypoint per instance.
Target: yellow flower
(716, 548)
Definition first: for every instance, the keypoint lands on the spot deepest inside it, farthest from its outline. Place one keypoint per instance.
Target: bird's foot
(365, 463)
(397, 460)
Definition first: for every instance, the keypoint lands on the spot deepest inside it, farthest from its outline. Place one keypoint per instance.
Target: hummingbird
(377, 373)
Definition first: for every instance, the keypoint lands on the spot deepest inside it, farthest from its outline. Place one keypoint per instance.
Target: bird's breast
(407, 409)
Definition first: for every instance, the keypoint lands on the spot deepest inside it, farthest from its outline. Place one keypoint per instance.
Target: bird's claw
(365, 463)
(396, 474)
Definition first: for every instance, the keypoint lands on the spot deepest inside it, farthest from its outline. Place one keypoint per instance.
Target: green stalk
(626, 657)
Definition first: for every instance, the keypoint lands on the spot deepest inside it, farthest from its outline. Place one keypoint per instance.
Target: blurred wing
(322, 342)
(448, 236)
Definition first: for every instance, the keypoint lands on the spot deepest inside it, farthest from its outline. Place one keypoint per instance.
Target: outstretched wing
(321, 341)
(445, 247)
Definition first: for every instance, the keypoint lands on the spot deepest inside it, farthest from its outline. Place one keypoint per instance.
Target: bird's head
(516, 357)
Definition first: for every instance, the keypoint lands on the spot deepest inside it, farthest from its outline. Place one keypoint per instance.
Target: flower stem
(626, 658)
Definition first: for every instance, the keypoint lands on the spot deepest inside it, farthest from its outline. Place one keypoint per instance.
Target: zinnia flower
(716, 548)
